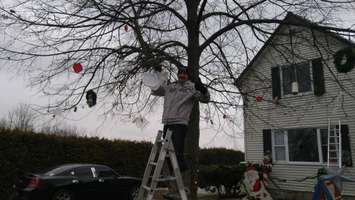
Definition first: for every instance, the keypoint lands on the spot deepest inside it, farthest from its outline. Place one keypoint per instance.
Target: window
(67, 173)
(308, 145)
(299, 73)
(309, 76)
(105, 172)
(279, 145)
(84, 172)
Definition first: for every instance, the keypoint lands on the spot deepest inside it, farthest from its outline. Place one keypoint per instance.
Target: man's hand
(200, 87)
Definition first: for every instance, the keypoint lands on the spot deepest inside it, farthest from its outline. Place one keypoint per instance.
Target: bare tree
(62, 130)
(117, 41)
(3, 124)
(21, 118)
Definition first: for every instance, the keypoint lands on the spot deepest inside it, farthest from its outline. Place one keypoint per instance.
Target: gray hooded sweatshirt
(179, 98)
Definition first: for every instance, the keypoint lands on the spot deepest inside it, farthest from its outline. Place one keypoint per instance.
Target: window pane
(83, 172)
(303, 77)
(325, 153)
(105, 172)
(324, 136)
(279, 137)
(324, 140)
(280, 153)
(302, 145)
(288, 75)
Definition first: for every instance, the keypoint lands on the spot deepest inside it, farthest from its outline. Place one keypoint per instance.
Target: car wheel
(63, 195)
(134, 192)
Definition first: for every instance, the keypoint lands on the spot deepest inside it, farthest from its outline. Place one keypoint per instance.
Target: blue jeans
(178, 138)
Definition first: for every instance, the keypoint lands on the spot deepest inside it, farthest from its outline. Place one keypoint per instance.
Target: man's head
(183, 74)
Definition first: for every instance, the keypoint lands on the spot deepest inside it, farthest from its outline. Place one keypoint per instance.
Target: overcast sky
(14, 91)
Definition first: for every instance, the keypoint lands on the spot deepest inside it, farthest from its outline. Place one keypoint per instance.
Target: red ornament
(258, 98)
(126, 27)
(77, 67)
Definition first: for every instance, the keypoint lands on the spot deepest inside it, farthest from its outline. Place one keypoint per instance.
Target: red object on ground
(258, 98)
(77, 67)
(126, 27)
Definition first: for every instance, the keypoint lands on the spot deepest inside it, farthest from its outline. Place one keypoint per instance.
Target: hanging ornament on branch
(344, 60)
(126, 27)
(141, 122)
(77, 67)
(91, 98)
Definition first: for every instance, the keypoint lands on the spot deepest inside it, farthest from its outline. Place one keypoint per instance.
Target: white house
(292, 90)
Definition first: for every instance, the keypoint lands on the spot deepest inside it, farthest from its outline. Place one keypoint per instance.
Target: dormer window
(298, 78)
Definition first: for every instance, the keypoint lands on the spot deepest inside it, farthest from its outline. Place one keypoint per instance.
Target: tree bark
(193, 136)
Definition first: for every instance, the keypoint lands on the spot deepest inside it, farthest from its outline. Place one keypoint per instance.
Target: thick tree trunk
(192, 148)
(193, 136)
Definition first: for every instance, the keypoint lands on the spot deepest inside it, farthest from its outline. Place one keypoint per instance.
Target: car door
(87, 187)
(110, 184)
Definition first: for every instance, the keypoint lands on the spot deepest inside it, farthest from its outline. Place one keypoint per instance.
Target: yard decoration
(77, 67)
(256, 180)
(330, 185)
(91, 98)
(344, 66)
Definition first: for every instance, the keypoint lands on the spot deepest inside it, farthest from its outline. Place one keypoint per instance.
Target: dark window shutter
(318, 77)
(345, 145)
(276, 82)
(267, 141)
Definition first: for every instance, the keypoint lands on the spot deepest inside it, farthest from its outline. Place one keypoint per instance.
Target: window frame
(287, 153)
(311, 91)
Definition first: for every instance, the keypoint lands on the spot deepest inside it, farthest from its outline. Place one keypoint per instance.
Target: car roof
(64, 167)
(73, 165)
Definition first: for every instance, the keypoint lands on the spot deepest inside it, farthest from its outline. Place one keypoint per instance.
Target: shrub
(220, 171)
(222, 179)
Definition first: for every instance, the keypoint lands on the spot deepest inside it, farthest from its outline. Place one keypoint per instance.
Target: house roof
(292, 19)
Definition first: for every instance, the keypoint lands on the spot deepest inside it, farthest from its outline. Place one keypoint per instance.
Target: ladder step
(333, 150)
(153, 163)
(155, 189)
(168, 178)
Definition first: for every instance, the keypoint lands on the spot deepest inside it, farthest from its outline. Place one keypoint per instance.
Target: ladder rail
(334, 151)
(340, 147)
(148, 168)
(328, 145)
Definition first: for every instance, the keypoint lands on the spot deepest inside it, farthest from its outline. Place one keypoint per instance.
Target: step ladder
(334, 146)
(163, 150)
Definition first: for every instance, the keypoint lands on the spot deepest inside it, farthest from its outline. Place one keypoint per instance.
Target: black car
(76, 182)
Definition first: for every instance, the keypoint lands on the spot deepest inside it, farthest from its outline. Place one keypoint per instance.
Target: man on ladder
(179, 99)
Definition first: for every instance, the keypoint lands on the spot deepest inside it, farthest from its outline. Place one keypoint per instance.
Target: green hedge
(220, 156)
(32, 152)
